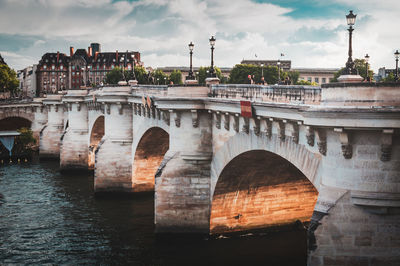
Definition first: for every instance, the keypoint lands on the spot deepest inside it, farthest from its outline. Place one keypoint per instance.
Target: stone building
(27, 81)
(58, 71)
(317, 75)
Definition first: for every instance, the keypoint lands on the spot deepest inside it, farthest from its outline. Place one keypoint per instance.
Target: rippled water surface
(49, 218)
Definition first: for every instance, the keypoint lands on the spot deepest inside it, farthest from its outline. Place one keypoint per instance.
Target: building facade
(317, 75)
(285, 65)
(58, 71)
(27, 81)
(225, 71)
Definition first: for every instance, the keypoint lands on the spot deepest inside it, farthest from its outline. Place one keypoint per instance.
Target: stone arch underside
(14, 123)
(262, 182)
(96, 135)
(149, 154)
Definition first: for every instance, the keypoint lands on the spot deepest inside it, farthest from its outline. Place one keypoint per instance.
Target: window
(112, 66)
(52, 80)
(316, 80)
(323, 80)
(309, 79)
(44, 67)
(73, 67)
(61, 67)
(97, 66)
(52, 67)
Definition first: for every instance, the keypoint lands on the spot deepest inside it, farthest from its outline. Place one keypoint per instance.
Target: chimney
(89, 49)
(116, 56)
(95, 56)
(71, 51)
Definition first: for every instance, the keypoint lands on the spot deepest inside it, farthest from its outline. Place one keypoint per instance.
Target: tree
(389, 78)
(360, 65)
(176, 77)
(294, 76)
(8, 80)
(203, 74)
(160, 77)
(114, 76)
(240, 73)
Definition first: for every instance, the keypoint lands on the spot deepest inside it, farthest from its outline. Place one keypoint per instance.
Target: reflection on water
(48, 218)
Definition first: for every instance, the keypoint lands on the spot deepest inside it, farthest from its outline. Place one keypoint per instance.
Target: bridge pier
(74, 148)
(52, 132)
(182, 188)
(356, 219)
(113, 155)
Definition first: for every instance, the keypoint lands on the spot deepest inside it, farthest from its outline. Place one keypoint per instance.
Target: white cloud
(161, 30)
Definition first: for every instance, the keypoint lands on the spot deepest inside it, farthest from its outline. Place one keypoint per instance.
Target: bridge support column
(113, 163)
(357, 217)
(74, 148)
(182, 188)
(51, 134)
(39, 121)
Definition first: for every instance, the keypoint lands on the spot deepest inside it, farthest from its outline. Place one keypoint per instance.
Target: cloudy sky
(311, 33)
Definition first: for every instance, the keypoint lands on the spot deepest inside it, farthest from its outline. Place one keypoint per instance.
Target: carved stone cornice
(281, 130)
(310, 136)
(386, 145)
(256, 127)
(226, 121)
(217, 116)
(321, 141)
(347, 149)
(236, 122)
(246, 126)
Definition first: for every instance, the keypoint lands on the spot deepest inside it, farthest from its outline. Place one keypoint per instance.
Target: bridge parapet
(276, 93)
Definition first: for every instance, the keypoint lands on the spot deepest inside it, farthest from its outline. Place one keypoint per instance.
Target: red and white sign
(245, 108)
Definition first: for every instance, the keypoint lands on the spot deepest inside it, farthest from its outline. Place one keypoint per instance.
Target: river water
(49, 218)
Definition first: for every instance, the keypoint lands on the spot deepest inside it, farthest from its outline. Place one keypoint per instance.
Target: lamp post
(262, 70)
(396, 55)
(212, 44)
(351, 20)
(279, 70)
(366, 68)
(133, 66)
(190, 76)
(165, 80)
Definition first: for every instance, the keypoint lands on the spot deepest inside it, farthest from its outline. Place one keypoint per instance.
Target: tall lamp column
(396, 55)
(351, 20)
(212, 44)
(366, 68)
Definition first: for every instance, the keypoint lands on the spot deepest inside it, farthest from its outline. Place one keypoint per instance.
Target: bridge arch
(258, 182)
(14, 123)
(148, 154)
(96, 134)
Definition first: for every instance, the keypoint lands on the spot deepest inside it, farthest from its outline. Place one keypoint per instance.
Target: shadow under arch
(259, 189)
(14, 123)
(96, 135)
(149, 154)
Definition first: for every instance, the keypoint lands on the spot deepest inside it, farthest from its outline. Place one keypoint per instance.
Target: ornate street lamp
(396, 55)
(212, 44)
(190, 76)
(133, 66)
(262, 70)
(366, 67)
(350, 69)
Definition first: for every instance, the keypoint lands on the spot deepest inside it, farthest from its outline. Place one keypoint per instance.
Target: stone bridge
(229, 158)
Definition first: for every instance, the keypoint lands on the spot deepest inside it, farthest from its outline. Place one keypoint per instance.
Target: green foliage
(8, 80)
(114, 76)
(389, 78)
(176, 77)
(141, 75)
(305, 82)
(160, 78)
(202, 74)
(294, 76)
(26, 136)
(360, 65)
(240, 72)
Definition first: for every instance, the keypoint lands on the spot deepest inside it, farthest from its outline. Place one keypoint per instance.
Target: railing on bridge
(154, 90)
(283, 93)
